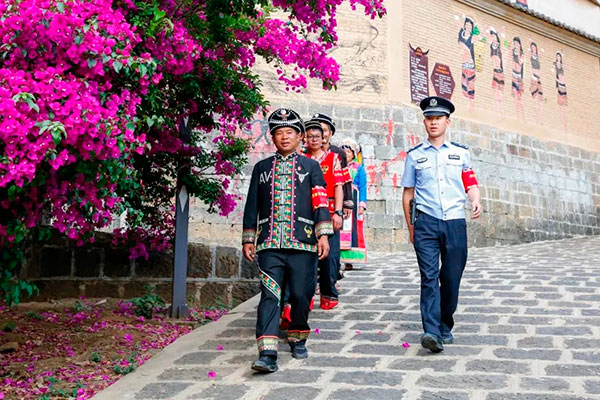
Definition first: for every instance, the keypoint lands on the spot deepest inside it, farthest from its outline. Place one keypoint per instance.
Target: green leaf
(32, 105)
(60, 7)
(117, 66)
(143, 70)
(79, 39)
(92, 62)
(56, 136)
(130, 126)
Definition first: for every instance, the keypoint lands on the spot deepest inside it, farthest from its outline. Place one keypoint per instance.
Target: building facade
(526, 85)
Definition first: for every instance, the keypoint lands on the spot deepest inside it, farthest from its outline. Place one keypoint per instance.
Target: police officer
(438, 177)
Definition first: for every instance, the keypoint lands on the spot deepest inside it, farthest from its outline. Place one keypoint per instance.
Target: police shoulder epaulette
(464, 146)
(414, 148)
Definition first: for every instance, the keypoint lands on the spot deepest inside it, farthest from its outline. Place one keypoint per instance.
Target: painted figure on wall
(517, 77)
(467, 52)
(498, 64)
(561, 87)
(536, 82)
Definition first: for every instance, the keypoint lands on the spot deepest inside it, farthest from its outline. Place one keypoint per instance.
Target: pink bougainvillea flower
(317, 331)
(357, 332)
(405, 345)
(219, 347)
(212, 374)
(379, 333)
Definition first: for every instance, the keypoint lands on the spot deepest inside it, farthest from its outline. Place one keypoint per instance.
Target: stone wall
(531, 189)
(539, 172)
(216, 274)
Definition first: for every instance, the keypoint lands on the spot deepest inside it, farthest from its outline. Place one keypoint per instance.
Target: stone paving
(527, 328)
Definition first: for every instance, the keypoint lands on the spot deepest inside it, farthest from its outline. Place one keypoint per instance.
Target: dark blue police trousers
(434, 239)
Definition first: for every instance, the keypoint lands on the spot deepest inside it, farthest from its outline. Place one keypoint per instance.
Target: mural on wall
(561, 88)
(467, 54)
(498, 66)
(536, 83)
(443, 82)
(419, 72)
(517, 77)
(360, 54)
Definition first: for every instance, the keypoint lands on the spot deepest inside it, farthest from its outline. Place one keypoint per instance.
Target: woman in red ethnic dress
(334, 178)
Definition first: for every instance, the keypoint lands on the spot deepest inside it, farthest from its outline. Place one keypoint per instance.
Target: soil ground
(73, 348)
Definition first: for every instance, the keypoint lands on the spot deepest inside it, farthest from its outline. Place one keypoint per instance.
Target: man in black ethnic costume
(286, 227)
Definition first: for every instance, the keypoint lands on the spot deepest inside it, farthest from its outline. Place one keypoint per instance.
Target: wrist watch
(339, 212)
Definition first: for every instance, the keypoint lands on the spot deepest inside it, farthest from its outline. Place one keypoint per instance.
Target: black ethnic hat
(313, 124)
(435, 105)
(325, 118)
(285, 117)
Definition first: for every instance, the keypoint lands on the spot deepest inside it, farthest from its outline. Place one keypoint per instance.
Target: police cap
(436, 106)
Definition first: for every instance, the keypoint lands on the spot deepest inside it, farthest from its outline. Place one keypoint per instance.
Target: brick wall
(216, 274)
(531, 189)
(539, 180)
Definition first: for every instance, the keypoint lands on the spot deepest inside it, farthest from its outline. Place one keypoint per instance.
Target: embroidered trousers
(298, 268)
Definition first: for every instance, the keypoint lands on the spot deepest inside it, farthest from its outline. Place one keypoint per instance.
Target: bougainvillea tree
(93, 92)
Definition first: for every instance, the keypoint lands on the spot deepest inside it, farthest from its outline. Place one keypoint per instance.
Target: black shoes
(432, 342)
(299, 351)
(265, 364)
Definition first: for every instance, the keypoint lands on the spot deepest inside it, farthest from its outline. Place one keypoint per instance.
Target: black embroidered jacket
(286, 206)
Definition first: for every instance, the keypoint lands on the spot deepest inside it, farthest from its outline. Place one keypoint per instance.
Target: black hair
(517, 39)
(536, 48)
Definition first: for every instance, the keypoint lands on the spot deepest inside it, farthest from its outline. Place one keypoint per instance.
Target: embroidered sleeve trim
(324, 228)
(319, 197)
(248, 236)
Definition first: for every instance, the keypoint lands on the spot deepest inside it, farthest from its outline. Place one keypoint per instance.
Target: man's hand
(361, 211)
(323, 246)
(248, 251)
(411, 230)
(337, 222)
(347, 213)
(476, 205)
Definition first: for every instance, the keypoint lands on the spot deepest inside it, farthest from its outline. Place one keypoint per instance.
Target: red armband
(319, 197)
(469, 179)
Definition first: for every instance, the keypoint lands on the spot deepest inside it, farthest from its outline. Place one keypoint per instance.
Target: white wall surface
(581, 14)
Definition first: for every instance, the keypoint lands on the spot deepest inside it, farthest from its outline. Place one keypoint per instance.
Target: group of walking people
(304, 218)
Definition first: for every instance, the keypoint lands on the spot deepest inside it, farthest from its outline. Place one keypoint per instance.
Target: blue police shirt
(436, 175)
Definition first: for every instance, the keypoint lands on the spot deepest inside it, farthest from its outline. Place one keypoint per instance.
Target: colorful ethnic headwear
(313, 124)
(325, 118)
(285, 117)
(352, 145)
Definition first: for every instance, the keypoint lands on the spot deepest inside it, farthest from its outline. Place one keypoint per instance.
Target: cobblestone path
(527, 328)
